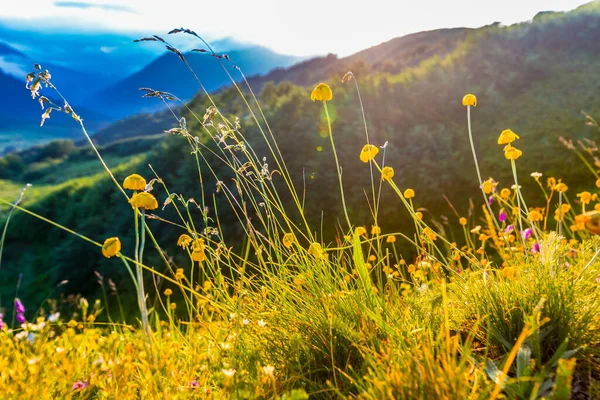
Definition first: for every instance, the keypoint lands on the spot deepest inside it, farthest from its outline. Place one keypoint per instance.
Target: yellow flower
(470, 100)
(321, 92)
(387, 173)
(198, 248)
(368, 153)
(372, 257)
(535, 216)
(184, 241)
(561, 212)
(179, 274)
(419, 214)
(168, 292)
(173, 306)
(462, 221)
(591, 221)
(134, 182)
(512, 153)
(316, 250)
(391, 239)
(375, 230)
(111, 247)
(561, 187)
(143, 200)
(551, 182)
(488, 186)
(505, 193)
(409, 193)
(509, 272)
(507, 136)
(598, 183)
(585, 197)
(72, 323)
(430, 234)
(360, 230)
(288, 239)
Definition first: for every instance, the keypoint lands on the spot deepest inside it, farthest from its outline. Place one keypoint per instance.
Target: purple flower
(80, 385)
(194, 383)
(509, 229)
(491, 200)
(19, 307)
(526, 233)
(502, 216)
(21, 318)
(535, 248)
(1, 321)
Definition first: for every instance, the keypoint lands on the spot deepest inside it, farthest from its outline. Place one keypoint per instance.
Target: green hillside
(534, 78)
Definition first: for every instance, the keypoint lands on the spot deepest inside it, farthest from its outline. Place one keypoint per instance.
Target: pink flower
(502, 216)
(80, 385)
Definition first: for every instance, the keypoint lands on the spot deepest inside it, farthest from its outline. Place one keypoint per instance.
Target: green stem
(337, 164)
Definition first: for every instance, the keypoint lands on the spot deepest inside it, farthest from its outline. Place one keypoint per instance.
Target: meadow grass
(508, 311)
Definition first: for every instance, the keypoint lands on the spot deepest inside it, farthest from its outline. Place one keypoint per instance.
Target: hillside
(534, 78)
(169, 74)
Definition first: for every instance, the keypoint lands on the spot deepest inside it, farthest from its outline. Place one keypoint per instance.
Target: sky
(299, 27)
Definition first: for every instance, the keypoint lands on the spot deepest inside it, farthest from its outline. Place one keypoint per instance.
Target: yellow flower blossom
(469, 100)
(316, 250)
(505, 193)
(387, 173)
(198, 248)
(551, 182)
(507, 136)
(288, 239)
(409, 193)
(321, 92)
(419, 214)
(391, 239)
(512, 153)
(430, 234)
(184, 241)
(585, 197)
(462, 221)
(168, 292)
(143, 200)
(488, 186)
(561, 212)
(360, 231)
(179, 274)
(368, 153)
(111, 247)
(134, 182)
(375, 230)
(561, 187)
(372, 257)
(173, 306)
(598, 183)
(535, 216)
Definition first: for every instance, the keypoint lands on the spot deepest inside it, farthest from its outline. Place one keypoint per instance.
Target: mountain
(168, 73)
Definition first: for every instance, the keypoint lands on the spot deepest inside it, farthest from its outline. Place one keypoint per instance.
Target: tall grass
(289, 313)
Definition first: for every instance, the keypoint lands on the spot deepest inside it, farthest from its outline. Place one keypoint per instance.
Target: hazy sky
(301, 27)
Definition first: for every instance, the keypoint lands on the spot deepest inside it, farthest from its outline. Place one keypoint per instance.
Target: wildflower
(228, 372)
(509, 272)
(321, 92)
(80, 385)
(561, 212)
(168, 292)
(261, 323)
(19, 307)
(491, 200)
(173, 306)
(502, 216)
(134, 182)
(509, 229)
(316, 250)
(179, 274)
(527, 233)
(198, 248)
(535, 248)
(268, 369)
(368, 153)
(1, 321)
(535, 216)
(360, 231)
(561, 187)
(143, 200)
(598, 183)
(585, 197)
(184, 240)
(505, 193)
(551, 181)
(288, 239)
(476, 229)
(375, 230)
(372, 257)
(111, 247)
(469, 100)
(430, 234)
(419, 215)
(462, 221)
(512, 153)
(409, 193)
(590, 221)
(391, 239)
(488, 186)
(72, 323)
(20, 318)
(387, 173)
(507, 137)
(536, 175)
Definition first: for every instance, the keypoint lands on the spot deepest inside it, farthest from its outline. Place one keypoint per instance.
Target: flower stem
(337, 164)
